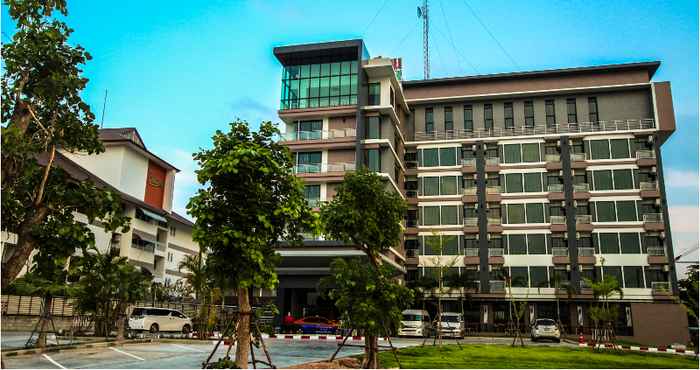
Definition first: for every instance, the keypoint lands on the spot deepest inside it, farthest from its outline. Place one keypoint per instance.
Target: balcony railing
(648, 185)
(656, 251)
(653, 217)
(577, 157)
(586, 252)
(492, 161)
(471, 221)
(493, 220)
(560, 251)
(314, 203)
(468, 161)
(470, 191)
(471, 252)
(552, 158)
(495, 252)
(493, 189)
(555, 187)
(160, 246)
(319, 135)
(584, 284)
(324, 167)
(541, 129)
(581, 188)
(583, 219)
(660, 287)
(557, 220)
(497, 286)
(646, 154)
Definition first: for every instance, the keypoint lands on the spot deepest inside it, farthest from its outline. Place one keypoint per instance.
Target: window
(308, 162)
(312, 194)
(448, 156)
(531, 152)
(630, 243)
(610, 149)
(392, 97)
(592, 109)
(609, 243)
(444, 185)
(439, 156)
(626, 211)
(518, 153)
(654, 274)
(517, 244)
(619, 148)
(549, 112)
(431, 215)
(571, 110)
(515, 213)
(373, 131)
(309, 130)
(431, 245)
(449, 122)
(373, 97)
(533, 182)
(468, 118)
(449, 215)
(536, 244)
(616, 211)
(538, 277)
(614, 271)
(633, 277)
(488, 116)
(440, 215)
(431, 186)
(518, 276)
(602, 180)
(512, 153)
(600, 149)
(529, 114)
(373, 160)
(173, 230)
(508, 115)
(429, 123)
(450, 245)
(623, 179)
(319, 85)
(448, 185)
(534, 213)
(523, 182)
(605, 211)
(514, 183)
(430, 157)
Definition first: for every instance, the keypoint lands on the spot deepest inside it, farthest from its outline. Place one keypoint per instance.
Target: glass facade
(319, 85)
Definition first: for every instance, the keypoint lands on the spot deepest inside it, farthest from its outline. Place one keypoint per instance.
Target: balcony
(470, 191)
(552, 158)
(584, 285)
(653, 221)
(494, 221)
(471, 256)
(471, 221)
(646, 158)
(492, 164)
(582, 188)
(469, 162)
(160, 248)
(583, 219)
(412, 256)
(555, 187)
(557, 220)
(496, 256)
(560, 256)
(577, 157)
(656, 256)
(497, 286)
(660, 288)
(540, 129)
(496, 189)
(301, 169)
(319, 135)
(649, 189)
(586, 256)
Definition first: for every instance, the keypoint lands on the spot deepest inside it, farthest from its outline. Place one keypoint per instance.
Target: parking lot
(190, 354)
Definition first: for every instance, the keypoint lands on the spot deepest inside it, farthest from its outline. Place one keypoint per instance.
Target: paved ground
(188, 355)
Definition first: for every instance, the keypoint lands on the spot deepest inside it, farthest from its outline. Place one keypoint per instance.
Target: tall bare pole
(104, 105)
(423, 14)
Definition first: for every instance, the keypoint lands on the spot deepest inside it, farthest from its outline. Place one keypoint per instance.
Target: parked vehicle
(545, 329)
(451, 325)
(159, 320)
(415, 323)
(316, 325)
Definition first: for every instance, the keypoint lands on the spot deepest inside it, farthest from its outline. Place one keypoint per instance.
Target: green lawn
(506, 357)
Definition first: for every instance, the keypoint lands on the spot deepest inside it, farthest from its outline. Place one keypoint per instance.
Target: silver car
(451, 325)
(545, 329)
(155, 319)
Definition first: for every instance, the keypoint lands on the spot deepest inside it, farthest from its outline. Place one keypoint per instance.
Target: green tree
(42, 111)
(251, 201)
(106, 285)
(604, 314)
(441, 288)
(196, 273)
(688, 291)
(373, 229)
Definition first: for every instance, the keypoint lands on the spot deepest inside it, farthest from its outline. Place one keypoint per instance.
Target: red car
(316, 325)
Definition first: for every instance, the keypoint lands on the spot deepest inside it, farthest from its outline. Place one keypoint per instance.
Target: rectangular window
(310, 85)
(449, 122)
(626, 211)
(538, 277)
(514, 183)
(605, 211)
(373, 131)
(448, 156)
(431, 215)
(602, 180)
(518, 276)
(373, 160)
(429, 123)
(450, 215)
(516, 213)
(531, 152)
(593, 109)
(373, 98)
(533, 182)
(529, 114)
(549, 112)
(430, 157)
(536, 244)
(609, 243)
(431, 245)
(600, 149)
(468, 118)
(517, 244)
(633, 277)
(450, 245)
(630, 243)
(511, 153)
(571, 110)
(448, 185)
(312, 194)
(535, 213)
(614, 271)
(431, 186)
(488, 116)
(619, 148)
(623, 179)
(309, 130)
(308, 162)
(508, 115)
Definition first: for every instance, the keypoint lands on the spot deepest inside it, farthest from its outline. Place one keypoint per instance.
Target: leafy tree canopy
(689, 291)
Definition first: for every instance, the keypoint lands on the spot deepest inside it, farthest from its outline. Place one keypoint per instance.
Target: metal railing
(645, 185)
(645, 154)
(540, 129)
(468, 161)
(555, 187)
(493, 221)
(495, 252)
(586, 252)
(471, 252)
(577, 156)
(319, 135)
(660, 287)
(324, 167)
(557, 220)
(584, 219)
(497, 286)
(469, 191)
(160, 246)
(493, 161)
(493, 189)
(583, 187)
(656, 251)
(653, 217)
(552, 158)
(470, 221)
(560, 251)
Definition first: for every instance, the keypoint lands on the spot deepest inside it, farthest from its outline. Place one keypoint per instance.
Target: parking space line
(53, 361)
(127, 353)
(188, 348)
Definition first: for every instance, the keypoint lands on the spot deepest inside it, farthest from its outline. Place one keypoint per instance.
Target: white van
(415, 323)
(159, 319)
(451, 325)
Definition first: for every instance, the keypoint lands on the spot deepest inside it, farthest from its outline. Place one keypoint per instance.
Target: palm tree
(605, 313)
(196, 275)
(558, 284)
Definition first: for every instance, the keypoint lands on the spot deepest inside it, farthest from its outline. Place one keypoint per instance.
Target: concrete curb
(667, 350)
(62, 348)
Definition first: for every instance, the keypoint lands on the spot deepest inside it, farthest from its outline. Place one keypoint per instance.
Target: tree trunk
(371, 354)
(25, 245)
(43, 321)
(120, 322)
(243, 332)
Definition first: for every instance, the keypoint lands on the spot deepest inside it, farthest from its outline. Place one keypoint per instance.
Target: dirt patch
(341, 363)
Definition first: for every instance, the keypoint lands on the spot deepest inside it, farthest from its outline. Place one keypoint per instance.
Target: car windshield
(411, 318)
(545, 322)
(450, 318)
(137, 312)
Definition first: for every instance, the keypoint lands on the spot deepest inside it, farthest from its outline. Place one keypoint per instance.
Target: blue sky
(178, 72)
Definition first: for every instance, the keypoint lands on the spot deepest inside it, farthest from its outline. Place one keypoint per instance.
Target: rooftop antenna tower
(104, 105)
(423, 14)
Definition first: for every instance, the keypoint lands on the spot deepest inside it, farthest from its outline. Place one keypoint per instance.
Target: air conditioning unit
(558, 144)
(473, 147)
(474, 176)
(575, 203)
(653, 169)
(561, 172)
(650, 139)
(484, 147)
(563, 203)
(657, 201)
(571, 142)
(566, 235)
(666, 268)
(662, 235)
(568, 267)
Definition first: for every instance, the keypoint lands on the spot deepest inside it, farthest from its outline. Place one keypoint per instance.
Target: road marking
(188, 348)
(126, 353)
(52, 361)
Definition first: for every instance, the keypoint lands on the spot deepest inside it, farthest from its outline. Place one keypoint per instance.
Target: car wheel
(186, 329)
(153, 329)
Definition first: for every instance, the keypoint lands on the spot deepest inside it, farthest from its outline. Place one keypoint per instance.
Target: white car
(156, 320)
(545, 329)
(451, 325)
(415, 323)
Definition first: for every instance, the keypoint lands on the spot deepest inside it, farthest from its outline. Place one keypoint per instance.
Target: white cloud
(186, 184)
(681, 178)
(684, 219)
